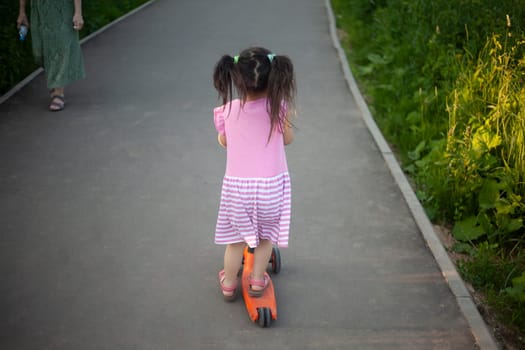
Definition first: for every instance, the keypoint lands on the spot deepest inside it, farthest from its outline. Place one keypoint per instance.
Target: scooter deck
(267, 300)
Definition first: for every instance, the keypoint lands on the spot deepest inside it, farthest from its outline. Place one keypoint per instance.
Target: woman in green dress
(54, 33)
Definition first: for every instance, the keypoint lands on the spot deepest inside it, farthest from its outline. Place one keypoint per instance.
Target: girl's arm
(78, 20)
(22, 17)
(288, 132)
(222, 140)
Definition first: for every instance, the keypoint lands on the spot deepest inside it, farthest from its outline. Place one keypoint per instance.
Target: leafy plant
(517, 291)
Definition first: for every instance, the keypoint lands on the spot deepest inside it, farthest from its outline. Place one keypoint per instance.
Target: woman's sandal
(229, 292)
(57, 103)
(258, 283)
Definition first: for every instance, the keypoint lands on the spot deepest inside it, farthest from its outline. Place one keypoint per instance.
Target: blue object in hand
(22, 32)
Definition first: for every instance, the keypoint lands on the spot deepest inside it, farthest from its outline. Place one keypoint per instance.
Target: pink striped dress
(256, 192)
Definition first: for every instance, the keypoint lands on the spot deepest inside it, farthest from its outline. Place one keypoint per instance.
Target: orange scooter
(263, 309)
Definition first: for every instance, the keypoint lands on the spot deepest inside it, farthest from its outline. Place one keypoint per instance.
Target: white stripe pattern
(252, 209)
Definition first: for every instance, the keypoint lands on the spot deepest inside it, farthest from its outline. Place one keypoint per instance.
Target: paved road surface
(108, 208)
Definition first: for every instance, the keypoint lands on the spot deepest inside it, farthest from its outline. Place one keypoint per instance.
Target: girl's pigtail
(223, 76)
(281, 89)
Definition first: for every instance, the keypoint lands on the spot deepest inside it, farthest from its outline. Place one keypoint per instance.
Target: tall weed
(485, 147)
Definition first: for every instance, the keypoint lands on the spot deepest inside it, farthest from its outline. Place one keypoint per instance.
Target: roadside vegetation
(445, 81)
(16, 58)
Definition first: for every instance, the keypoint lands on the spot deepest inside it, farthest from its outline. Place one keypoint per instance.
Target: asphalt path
(109, 207)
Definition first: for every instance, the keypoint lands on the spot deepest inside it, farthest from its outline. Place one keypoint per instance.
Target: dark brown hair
(254, 71)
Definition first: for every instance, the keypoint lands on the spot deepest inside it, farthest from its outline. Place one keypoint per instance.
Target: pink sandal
(258, 283)
(229, 292)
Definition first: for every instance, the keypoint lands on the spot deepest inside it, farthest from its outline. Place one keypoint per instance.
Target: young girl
(255, 205)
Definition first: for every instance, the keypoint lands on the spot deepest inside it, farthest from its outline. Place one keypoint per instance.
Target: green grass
(492, 274)
(444, 81)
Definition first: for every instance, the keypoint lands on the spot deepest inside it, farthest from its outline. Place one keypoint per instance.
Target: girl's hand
(288, 135)
(22, 19)
(78, 22)
(221, 139)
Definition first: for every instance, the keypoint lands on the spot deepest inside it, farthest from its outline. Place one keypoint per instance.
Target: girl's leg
(232, 263)
(262, 256)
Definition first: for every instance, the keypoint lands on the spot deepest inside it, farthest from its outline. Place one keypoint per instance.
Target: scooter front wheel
(264, 317)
